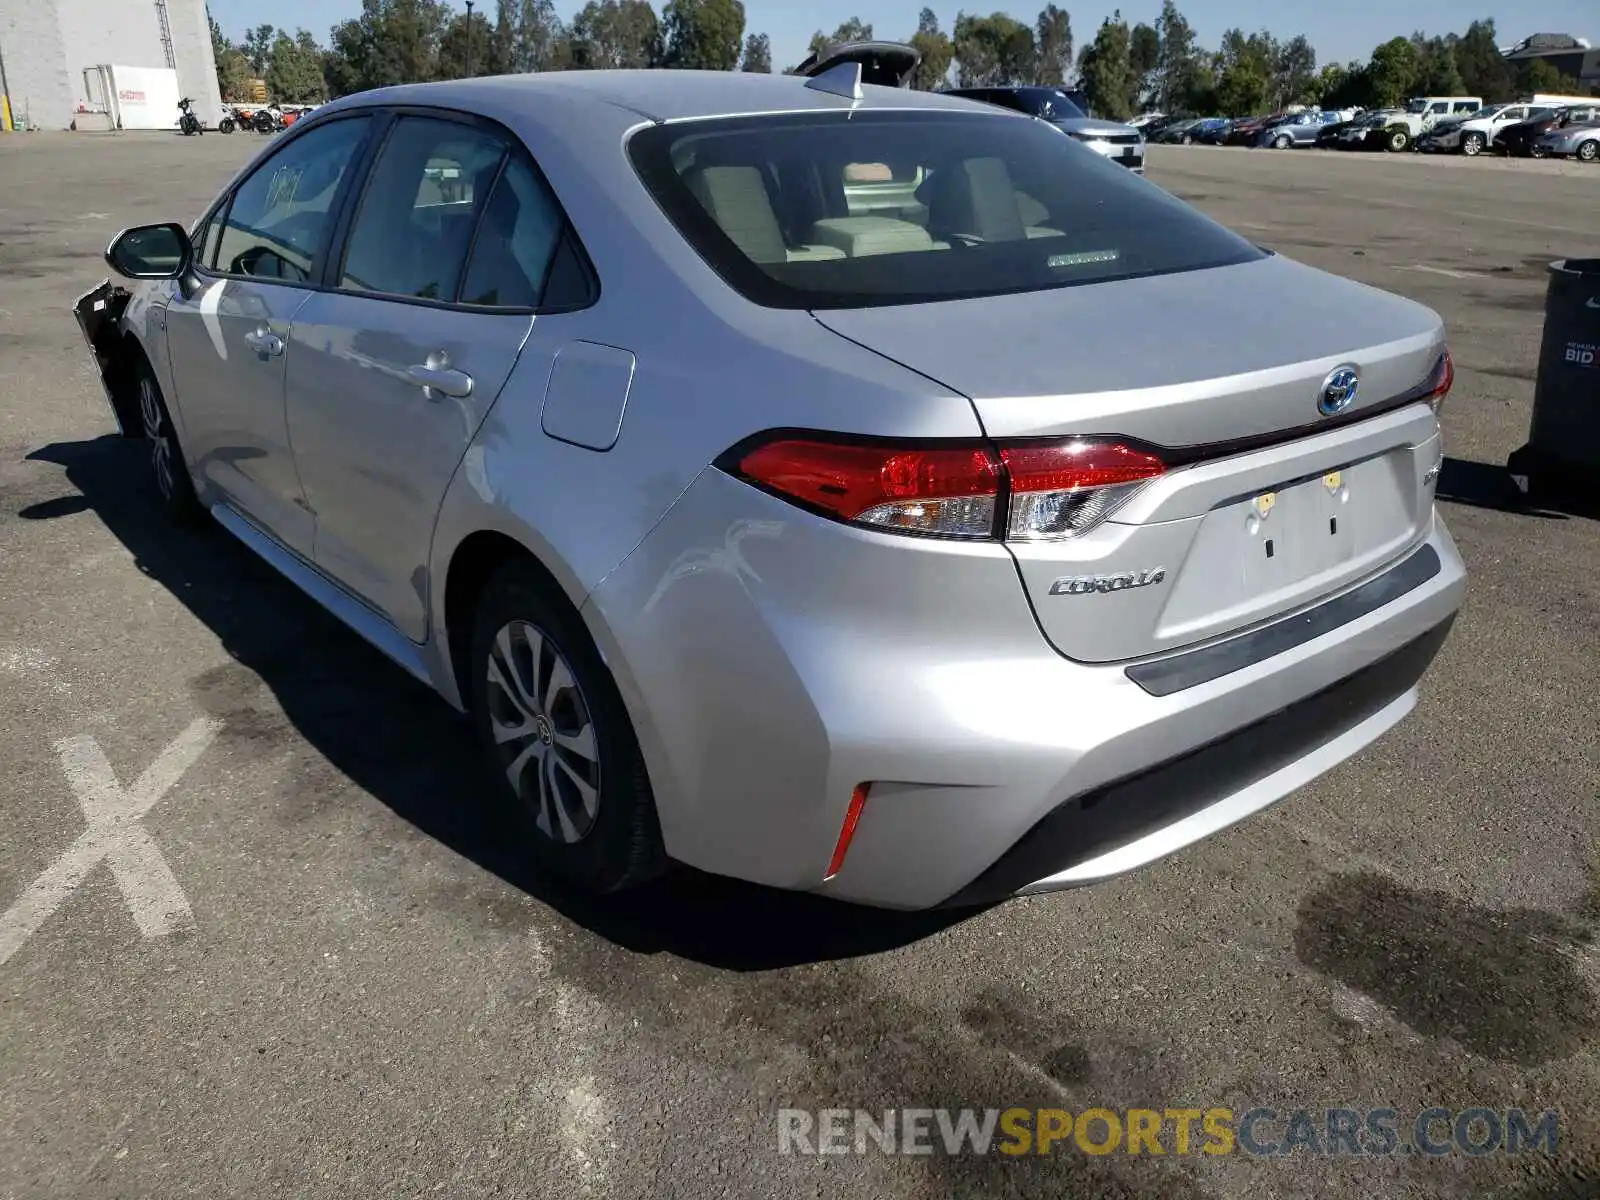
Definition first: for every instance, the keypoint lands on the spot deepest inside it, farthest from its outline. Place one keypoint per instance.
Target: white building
(47, 45)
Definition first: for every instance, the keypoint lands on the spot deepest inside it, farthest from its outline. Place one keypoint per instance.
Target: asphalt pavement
(259, 940)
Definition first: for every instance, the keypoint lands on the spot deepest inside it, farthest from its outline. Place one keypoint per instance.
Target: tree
(703, 34)
(1107, 70)
(1179, 61)
(540, 43)
(294, 69)
(757, 54)
(853, 30)
(1484, 71)
(392, 41)
(257, 46)
(1052, 45)
(233, 75)
(1294, 73)
(1242, 88)
(1437, 73)
(1537, 75)
(937, 53)
(469, 48)
(1393, 72)
(993, 51)
(505, 34)
(616, 33)
(1144, 53)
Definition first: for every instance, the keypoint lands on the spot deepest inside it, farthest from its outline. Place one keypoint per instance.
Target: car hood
(1260, 335)
(1082, 126)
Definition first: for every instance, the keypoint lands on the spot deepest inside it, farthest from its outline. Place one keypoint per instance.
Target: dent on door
(587, 394)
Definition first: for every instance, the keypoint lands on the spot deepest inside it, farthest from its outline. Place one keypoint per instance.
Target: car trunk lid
(1267, 506)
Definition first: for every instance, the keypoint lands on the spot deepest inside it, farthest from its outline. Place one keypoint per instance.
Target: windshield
(1058, 106)
(1490, 110)
(857, 210)
(1417, 106)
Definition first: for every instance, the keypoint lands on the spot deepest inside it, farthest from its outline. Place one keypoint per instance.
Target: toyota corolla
(835, 486)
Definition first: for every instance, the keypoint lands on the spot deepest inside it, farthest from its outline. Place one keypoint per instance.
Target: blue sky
(1339, 29)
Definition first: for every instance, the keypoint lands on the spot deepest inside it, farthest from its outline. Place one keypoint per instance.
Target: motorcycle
(188, 122)
(229, 122)
(267, 121)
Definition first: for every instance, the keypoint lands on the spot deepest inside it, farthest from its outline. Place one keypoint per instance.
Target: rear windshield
(841, 210)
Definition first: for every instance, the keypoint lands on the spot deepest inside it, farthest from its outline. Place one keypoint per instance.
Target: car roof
(659, 95)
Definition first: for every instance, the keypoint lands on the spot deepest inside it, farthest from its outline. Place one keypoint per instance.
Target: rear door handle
(437, 381)
(264, 342)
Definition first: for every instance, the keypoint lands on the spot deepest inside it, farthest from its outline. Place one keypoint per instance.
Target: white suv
(1477, 133)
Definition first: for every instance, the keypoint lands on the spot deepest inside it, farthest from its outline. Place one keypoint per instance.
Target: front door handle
(265, 342)
(437, 379)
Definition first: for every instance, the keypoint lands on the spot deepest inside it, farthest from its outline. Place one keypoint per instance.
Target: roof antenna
(843, 80)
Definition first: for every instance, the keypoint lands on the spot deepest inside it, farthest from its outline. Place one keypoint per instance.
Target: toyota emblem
(1338, 390)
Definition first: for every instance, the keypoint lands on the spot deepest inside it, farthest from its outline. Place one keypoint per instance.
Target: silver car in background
(843, 488)
(1571, 141)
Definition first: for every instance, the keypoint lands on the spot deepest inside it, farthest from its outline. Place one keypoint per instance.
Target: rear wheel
(1397, 140)
(1538, 151)
(555, 732)
(1589, 151)
(167, 467)
(1472, 145)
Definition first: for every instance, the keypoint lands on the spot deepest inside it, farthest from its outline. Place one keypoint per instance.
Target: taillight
(1060, 490)
(1441, 381)
(1036, 491)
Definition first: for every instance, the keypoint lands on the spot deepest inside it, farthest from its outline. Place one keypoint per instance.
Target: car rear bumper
(775, 661)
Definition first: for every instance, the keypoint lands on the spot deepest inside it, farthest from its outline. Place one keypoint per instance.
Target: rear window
(839, 210)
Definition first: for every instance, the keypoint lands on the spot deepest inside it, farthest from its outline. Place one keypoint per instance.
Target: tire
(225, 125)
(167, 467)
(573, 782)
(1187, 140)
(1282, 142)
(1538, 151)
(1589, 151)
(1396, 141)
(1472, 145)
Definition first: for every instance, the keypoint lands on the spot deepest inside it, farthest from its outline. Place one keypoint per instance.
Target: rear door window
(413, 230)
(975, 204)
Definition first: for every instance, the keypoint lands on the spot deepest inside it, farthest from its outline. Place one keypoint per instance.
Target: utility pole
(469, 38)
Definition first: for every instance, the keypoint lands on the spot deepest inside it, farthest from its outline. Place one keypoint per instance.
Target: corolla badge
(1083, 585)
(1338, 390)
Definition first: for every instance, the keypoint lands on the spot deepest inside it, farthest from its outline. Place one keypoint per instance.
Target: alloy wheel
(1471, 145)
(155, 432)
(546, 738)
(1589, 151)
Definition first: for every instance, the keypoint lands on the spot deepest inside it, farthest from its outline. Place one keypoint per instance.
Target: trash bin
(1562, 456)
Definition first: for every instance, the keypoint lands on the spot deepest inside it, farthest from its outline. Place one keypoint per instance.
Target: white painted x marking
(114, 837)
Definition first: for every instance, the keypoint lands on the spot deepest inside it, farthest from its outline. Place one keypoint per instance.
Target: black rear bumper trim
(1097, 822)
(1165, 676)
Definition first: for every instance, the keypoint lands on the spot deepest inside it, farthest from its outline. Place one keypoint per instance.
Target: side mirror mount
(151, 252)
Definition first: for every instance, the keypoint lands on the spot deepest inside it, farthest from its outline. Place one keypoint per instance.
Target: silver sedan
(1572, 141)
(835, 486)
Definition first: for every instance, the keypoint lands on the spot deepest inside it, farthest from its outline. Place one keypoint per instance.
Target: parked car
(1178, 133)
(1216, 131)
(1474, 134)
(1243, 131)
(1301, 129)
(1331, 136)
(1523, 139)
(1576, 140)
(1118, 142)
(961, 608)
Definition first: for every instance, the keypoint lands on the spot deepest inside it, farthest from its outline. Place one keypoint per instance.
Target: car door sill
(360, 617)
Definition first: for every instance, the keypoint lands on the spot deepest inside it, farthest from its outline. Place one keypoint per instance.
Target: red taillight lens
(1442, 380)
(1055, 489)
(914, 489)
(1062, 490)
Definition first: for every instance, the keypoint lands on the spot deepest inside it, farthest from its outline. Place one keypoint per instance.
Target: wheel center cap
(541, 726)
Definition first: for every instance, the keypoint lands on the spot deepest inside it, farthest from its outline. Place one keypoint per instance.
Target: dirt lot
(322, 976)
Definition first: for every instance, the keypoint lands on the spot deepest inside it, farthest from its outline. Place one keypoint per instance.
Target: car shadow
(396, 740)
(1489, 485)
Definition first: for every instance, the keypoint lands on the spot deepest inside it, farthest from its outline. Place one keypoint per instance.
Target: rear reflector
(852, 818)
(1045, 490)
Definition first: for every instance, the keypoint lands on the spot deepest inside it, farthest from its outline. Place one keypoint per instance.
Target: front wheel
(552, 725)
(167, 467)
(1589, 151)
(1538, 151)
(1187, 140)
(225, 125)
(1472, 145)
(1283, 143)
(1397, 140)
